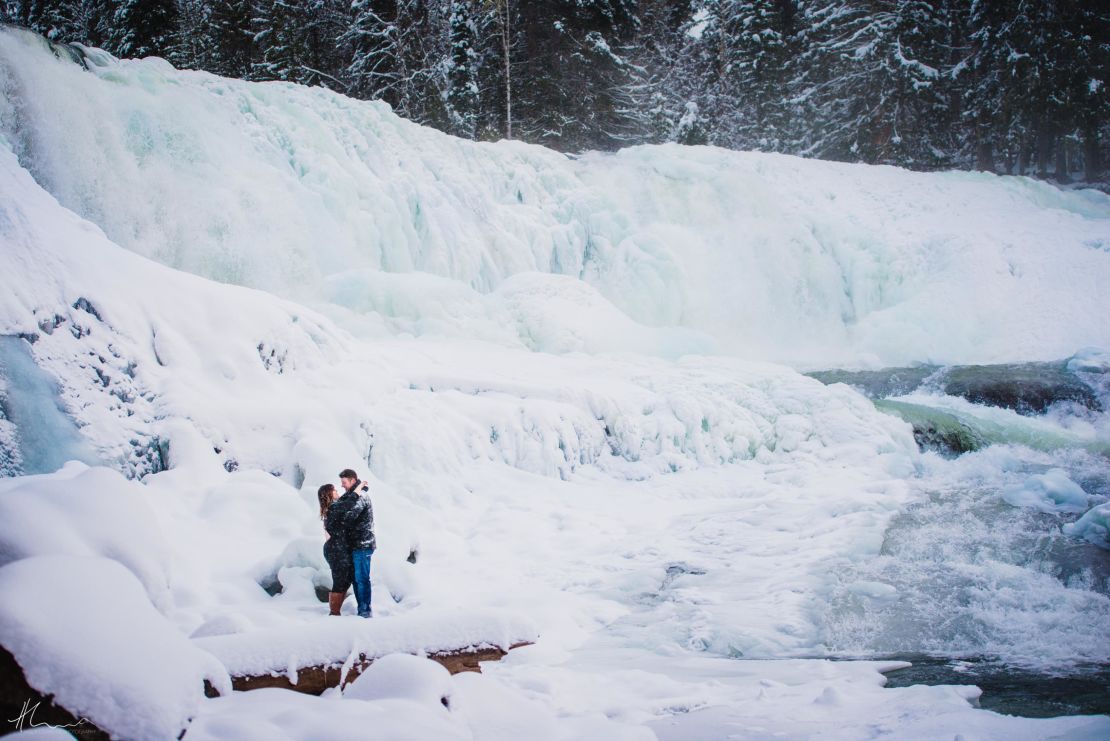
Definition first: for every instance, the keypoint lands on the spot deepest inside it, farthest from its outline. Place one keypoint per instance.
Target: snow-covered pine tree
(463, 94)
(1089, 32)
(574, 82)
(193, 46)
(375, 69)
(229, 33)
(871, 81)
(660, 86)
(296, 40)
(83, 21)
(757, 47)
(707, 108)
(990, 102)
(142, 28)
(398, 53)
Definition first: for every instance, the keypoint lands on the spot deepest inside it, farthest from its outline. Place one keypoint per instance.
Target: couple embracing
(349, 523)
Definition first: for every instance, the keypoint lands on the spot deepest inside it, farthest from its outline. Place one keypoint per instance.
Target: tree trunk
(1045, 140)
(984, 150)
(1023, 155)
(1062, 174)
(1092, 168)
(504, 20)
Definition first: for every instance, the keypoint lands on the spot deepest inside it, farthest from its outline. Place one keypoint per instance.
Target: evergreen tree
(1014, 85)
(84, 21)
(193, 46)
(399, 53)
(575, 81)
(661, 87)
(229, 33)
(464, 70)
(872, 81)
(757, 41)
(707, 111)
(1089, 33)
(989, 101)
(296, 40)
(141, 28)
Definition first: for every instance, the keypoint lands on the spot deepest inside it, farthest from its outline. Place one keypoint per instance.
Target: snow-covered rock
(83, 630)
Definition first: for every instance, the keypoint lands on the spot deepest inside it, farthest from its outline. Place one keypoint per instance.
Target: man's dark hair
(347, 473)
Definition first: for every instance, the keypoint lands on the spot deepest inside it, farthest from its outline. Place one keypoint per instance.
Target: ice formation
(312, 195)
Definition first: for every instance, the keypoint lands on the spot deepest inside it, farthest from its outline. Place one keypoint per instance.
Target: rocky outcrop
(934, 429)
(1029, 388)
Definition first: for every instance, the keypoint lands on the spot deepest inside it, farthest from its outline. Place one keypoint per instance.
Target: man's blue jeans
(361, 559)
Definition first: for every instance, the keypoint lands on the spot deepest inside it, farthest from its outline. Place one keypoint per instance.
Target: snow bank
(83, 631)
(288, 188)
(269, 714)
(333, 642)
(403, 676)
(83, 511)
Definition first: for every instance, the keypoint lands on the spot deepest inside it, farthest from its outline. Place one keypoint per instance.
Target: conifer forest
(1010, 86)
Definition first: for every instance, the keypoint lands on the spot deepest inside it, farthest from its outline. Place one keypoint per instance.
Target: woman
(336, 551)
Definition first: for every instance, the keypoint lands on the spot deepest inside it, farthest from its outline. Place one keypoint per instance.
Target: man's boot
(335, 602)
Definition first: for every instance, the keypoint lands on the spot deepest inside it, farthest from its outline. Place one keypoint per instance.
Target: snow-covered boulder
(83, 630)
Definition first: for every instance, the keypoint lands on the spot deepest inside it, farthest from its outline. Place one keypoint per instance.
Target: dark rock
(49, 324)
(273, 587)
(1026, 388)
(84, 305)
(934, 429)
(945, 441)
(1029, 388)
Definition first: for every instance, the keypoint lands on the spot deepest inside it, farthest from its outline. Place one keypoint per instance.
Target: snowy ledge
(333, 652)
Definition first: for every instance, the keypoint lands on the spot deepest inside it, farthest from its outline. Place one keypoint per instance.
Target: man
(355, 519)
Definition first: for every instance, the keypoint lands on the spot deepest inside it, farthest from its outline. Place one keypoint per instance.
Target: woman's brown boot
(335, 602)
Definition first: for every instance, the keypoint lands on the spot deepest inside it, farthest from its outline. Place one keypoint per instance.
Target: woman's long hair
(324, 495)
